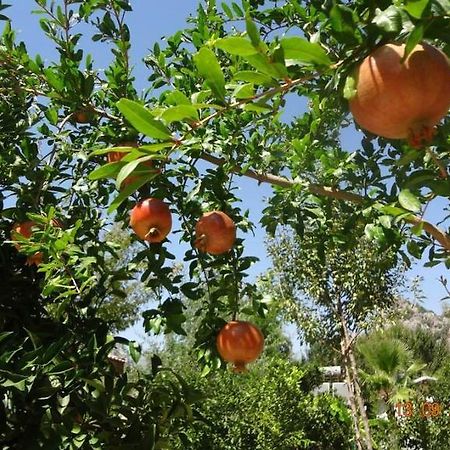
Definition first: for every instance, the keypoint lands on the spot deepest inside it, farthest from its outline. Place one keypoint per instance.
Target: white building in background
(333, 383)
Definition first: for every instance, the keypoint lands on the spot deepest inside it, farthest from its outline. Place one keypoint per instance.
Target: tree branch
(317, 189)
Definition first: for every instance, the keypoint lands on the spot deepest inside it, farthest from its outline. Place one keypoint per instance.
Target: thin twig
(442, 169)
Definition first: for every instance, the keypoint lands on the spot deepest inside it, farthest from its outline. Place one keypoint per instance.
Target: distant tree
(334, 285)
(121, 308)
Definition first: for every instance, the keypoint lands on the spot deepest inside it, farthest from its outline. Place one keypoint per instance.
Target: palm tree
(389, 369)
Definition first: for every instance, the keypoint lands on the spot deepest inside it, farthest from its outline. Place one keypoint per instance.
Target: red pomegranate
(402, 100)
(83, 116)
(215, 233)
(25, 229)
(151, 220)
(240, 343)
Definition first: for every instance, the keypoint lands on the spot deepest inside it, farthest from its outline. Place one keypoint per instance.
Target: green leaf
(130, 167)
(5, 335)
(374, 232)
(386, 221)
(177, 98)
(106, 171)
(255, 77)
(156, 147)
(141, 119)
(301, 51)
(414, 249)
(244, 91)
(409, 201)
(126, 170)
(237, 9)
(350, 87)
(414, 38)
(419, 178)
(105, 151)
(444, 6)
(417, 229)
(179, 113)
(128, 190)
(135, 351)
(409, 156)
(53, 80)
(205, 371)
(262, 64)
(343, 22)
(227, 10)
(236, 46)
(252, 31)
(257, 107)
(416, 8)
(389, 20)
(209, 68)
(391, 210)
(147, 148)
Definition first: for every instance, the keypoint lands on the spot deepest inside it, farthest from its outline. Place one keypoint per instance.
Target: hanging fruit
(151, 220)
(215, 233)
(240, 343)
(399, 99)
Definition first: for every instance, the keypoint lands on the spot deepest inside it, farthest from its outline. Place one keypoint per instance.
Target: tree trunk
(354, 386)
(355, 415)
(359, 398)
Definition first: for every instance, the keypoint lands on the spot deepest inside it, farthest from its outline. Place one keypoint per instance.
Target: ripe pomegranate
(83, 116)
(240, 343)
(151, 220)
(215, 232)
(402, 100)
(25, 229)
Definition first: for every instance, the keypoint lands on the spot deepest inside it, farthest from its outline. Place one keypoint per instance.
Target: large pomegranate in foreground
(240, 343)
(215, 233)
(151, 220)
(402, 100)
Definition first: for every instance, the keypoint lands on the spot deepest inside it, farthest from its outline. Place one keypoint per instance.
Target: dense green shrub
(268, 408)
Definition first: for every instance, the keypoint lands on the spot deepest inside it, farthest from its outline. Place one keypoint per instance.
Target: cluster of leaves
(59, 389)
(268, 408)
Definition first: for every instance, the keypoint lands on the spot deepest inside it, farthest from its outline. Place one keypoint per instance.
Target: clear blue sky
(149, 22)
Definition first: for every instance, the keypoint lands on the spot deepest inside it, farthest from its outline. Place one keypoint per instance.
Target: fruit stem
(239, 367)
(420, 135)
(153, 232)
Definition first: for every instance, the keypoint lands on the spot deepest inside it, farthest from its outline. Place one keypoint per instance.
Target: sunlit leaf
(299, 51)
(236, 46)
(179, 113)
(209, 68)
(409, 201)
(142, 119)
